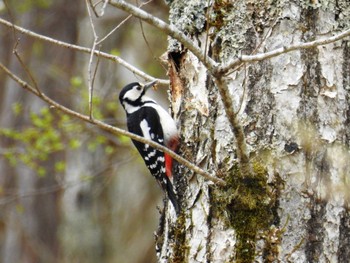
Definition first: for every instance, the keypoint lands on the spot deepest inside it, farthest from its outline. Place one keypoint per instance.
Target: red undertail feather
(172, 145)
(168, 165)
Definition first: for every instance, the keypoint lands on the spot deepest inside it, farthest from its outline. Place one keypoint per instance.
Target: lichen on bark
(292, 111)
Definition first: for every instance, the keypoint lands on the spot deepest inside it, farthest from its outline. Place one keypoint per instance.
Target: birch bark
(295, 112)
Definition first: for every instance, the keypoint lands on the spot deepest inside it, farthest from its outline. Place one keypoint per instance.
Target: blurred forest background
(70, 192)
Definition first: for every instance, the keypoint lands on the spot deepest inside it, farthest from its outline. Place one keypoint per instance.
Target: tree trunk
(30, 212)
(295, 112)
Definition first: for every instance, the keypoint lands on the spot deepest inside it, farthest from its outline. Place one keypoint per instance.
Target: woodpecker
(146, 118)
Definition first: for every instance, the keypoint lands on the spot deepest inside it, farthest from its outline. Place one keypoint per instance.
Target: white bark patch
(291, 11)
(327, 22)
(287, 104)
(287, 71)
(293, 203)
(238, 90)
(199, 231)
(286, 75)
(331, 239)
(223, 244)
(329, 62)
(338, 158)
(328, 134)
(222, 135)
(196, 73)
(332, 104)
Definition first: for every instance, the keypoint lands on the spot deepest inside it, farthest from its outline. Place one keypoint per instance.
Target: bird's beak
(150, 85)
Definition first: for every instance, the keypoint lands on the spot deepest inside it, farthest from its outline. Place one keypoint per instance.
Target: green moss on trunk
(180, 245)
(246, 203)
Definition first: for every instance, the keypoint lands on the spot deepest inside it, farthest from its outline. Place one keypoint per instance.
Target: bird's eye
(138, 87)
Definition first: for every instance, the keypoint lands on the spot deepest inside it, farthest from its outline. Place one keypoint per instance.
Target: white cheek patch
(133, 94)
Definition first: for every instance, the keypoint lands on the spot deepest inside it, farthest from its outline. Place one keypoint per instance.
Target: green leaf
(41, 171)
(74, 144)
(124, 139)
(36, 120)
(76, 81)
(115, 52)
(44, 4)
(11, 158)
(109, 149)
(17, 108)
(20, 208)
(60, 166)
(111, 105)
(92, 146)
(101, 139)
(38, 48)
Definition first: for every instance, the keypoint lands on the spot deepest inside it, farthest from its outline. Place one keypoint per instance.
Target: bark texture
(295, 112)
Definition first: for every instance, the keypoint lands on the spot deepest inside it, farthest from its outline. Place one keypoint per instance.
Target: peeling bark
(294, 111)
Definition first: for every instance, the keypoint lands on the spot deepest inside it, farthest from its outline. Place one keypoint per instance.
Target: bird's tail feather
(172, 196)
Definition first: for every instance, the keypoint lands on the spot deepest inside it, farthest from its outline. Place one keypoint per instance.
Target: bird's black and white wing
(146, 123)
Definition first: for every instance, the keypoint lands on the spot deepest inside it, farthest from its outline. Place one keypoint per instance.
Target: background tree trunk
(30, 232)
(98, 203)
(295, 113)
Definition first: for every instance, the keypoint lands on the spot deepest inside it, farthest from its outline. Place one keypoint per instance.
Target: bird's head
(132, 95)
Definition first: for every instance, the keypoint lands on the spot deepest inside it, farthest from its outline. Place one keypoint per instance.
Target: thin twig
(117, 59)
(262, 56)
(257, 47)
(147, 43)
(15, 51)
(111, 129)
(236, 126)
(120, 24)
(9, 196)
(93, 7)
(105, 3)
(25, 67)
(170, 30)
(207, 15)
(90, 77)
(103, 8)
(244, 85)
(114, 29)
(95, 71)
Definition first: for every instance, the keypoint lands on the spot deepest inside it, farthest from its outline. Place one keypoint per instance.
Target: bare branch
(105, 2)
(24, 66)
(111, 129)
(90, 77)
(236, 126)
(167, 29)
(114, 29)
(147, 43)
(120, 24)
(9, 196)
(274, 53)
(117, 59)
(93, 8)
